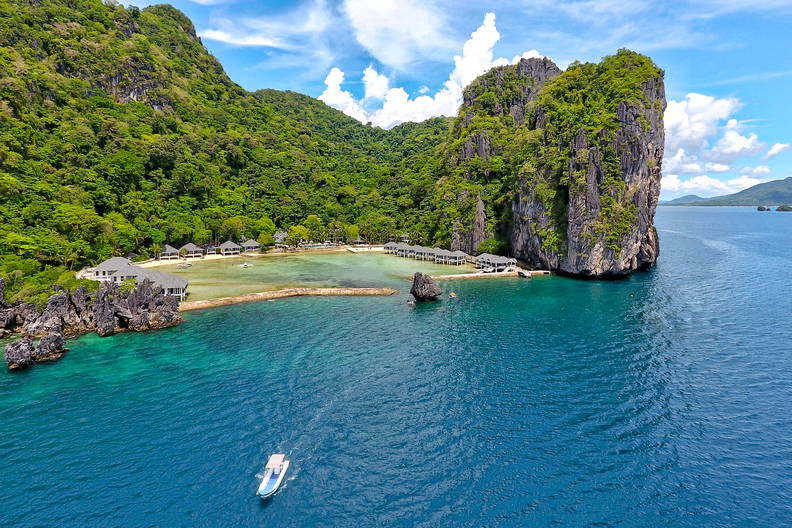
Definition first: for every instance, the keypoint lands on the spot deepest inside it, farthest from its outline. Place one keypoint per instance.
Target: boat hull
(272, 481)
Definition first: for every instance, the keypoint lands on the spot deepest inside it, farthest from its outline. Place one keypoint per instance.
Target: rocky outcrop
(107, 312)
(568, 190)
(468, 237)
(19, 354)
(51, 347)
(424, 288)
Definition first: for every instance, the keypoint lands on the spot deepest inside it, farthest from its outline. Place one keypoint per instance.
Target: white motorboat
(273, 475)
(245, 265)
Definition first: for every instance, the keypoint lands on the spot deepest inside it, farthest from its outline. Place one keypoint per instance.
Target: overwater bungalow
(496, 262)
(459, 257)
(390, 247)
(251, 245)
(401, 249)
(169, 253)
(190, 250)
(442, 256)
(230, 248)
(425, 253)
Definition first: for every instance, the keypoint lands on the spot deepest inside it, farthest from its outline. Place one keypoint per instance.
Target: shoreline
(480, 275)
(187, 306)
(270, 253)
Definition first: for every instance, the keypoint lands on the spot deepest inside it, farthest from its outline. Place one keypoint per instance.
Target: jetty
(281, 294)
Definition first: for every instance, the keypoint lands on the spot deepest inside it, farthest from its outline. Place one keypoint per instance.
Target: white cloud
(302, 36)
(733, 145)
(704, 185)
(375, 84)
(691, 122)
(338, 98)
(398, 107)
(242, 39)
(759, 169)
(396, 32)
(775, 150)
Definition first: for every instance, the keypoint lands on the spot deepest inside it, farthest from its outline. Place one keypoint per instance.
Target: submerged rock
(424, 288)
(19, 354)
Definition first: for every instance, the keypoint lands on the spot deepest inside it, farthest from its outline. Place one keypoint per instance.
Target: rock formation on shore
(108, 311)
(562, 168)
(424, 288)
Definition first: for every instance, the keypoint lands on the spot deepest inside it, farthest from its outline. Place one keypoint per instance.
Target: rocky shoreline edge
(111, 310)
(108, 311)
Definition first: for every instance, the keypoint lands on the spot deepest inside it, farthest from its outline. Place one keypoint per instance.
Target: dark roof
(190, 247)
(159, 278)
(113, 264)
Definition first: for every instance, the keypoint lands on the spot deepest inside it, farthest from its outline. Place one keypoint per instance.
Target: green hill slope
(774, 192)
(120, 132)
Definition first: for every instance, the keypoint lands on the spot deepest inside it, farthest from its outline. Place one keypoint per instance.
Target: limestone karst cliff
(561, 168)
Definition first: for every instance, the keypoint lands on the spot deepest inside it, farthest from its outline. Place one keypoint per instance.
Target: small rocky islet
(68, 314)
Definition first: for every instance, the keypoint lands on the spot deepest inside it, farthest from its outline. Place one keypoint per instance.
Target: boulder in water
(19, 354)
(51, 347)
(424, 288)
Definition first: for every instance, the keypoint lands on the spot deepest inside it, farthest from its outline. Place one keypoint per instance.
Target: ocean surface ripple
(661, 400)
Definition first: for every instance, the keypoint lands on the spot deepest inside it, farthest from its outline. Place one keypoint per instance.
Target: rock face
(424, 288)
(51, 347)
(570, 170)
(19, 354)
(67, 315)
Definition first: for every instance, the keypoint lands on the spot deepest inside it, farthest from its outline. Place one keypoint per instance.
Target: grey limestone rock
(424, 288)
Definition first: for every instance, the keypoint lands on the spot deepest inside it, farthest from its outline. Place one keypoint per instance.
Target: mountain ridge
(774, 192)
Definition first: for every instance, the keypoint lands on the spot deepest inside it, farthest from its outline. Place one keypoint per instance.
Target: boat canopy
(275, 461)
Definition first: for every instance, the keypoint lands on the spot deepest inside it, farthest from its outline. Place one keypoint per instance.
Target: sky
(728, 64)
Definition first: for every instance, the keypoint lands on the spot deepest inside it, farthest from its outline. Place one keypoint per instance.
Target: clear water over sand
(225, 278)
(658, 401)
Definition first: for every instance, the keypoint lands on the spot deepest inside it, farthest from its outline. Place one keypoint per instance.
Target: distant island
(776, 192)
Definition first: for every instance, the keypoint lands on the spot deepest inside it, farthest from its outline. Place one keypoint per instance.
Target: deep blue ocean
(660, 400)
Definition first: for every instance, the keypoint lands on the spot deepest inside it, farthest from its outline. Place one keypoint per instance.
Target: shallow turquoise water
(662, 400)
(224, 277)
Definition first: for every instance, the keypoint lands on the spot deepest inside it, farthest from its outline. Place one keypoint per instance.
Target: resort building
(250, 245)
(495, 262)
(230, 248)
(211, 249)
(190, 250)
(107, 269)
(440, 256)
(119, 269)
(280, 236)
(169, 253)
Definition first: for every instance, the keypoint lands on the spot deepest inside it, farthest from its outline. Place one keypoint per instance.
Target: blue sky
(728, 64)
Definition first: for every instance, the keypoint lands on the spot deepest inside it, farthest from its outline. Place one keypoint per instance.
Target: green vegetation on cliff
(576, 107)
(119, 133)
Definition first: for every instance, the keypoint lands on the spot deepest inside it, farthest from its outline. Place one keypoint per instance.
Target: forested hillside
(119, 132)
